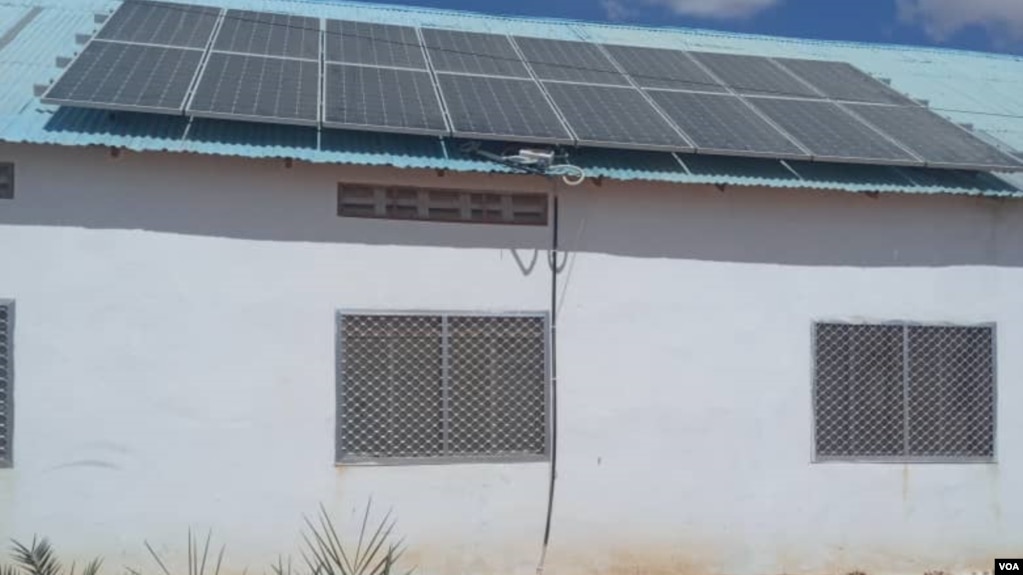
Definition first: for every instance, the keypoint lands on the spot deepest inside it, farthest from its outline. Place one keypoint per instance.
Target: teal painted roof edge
(933, 73)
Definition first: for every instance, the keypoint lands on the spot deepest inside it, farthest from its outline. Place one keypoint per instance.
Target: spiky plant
(374, 554)
(38, 558)
(196, 566)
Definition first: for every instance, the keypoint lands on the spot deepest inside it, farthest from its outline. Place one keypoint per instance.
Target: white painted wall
(175, 348)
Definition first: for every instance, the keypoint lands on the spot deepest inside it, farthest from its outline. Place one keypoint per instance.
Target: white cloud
(616, 10)
(941, 19)
(711, 9)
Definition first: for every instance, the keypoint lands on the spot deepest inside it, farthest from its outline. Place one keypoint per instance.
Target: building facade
(730, 366)
(176, 365)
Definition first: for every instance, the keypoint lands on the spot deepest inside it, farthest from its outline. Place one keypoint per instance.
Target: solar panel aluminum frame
(325, 56)
(942, 165)
(550, 101)
(433, 80)
(697, 149)
(743, 91)
(599, 49)
(183, 8)
(384, 129)
(690, 145)
(806, 155)
(45, 99)
(918, 162)
(570, 141)
(246, 117)
(580, 141)
(375, 127)
(211, 47)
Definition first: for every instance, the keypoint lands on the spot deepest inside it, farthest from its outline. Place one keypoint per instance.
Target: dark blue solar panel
(936, 140)
(473, 53)
(374, 44)
(569, 61)
(257, 88)
(724, 124)
(842, 81)
(754, 75)
(614, 116)
(831, 133)
(127, 77)
(162, 23)
(661, 68)
(500, 108)
(266, 34)
(384, 99)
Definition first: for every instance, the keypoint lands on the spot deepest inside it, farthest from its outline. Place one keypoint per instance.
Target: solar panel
(127, 77)
(831, 133)
(384, 99)
(500, 108)
(374, 44)
(569, 61)
(611, 115)
(753, 75)
(724, 124)
(660, 68)
(161, 23)
(242, 87)
(266, 34)
(842, 81)
(936, 140)
(473, 53)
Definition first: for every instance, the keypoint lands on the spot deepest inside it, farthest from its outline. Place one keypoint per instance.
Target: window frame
(11, 318)
(905, 458)
(343, 460)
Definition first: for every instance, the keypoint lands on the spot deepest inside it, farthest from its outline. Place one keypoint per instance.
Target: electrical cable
(554, 267)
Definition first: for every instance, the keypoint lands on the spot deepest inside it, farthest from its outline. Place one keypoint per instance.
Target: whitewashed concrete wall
(175, 351)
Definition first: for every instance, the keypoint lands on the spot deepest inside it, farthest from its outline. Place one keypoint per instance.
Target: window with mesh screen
(414, 388)
(904, 392)
(407, 203)
(6, 381)
(6, 181)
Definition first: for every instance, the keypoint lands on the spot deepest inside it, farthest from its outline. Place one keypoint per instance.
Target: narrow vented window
(405, 203)
(6, 180)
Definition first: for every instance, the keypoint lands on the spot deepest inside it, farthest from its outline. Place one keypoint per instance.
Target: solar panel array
(170, 58)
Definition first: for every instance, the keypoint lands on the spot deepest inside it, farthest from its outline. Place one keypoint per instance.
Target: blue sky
(988, 25)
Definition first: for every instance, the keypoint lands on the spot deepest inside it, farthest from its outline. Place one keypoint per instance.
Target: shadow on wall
(263, 200)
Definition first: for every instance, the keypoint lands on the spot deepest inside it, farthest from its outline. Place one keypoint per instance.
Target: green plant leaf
(36, 559)
(92, 567)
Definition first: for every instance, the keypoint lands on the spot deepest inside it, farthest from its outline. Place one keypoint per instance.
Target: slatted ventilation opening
(404, 203)
(904, 393)
(6, 180)
(429, 388)
(6, 382)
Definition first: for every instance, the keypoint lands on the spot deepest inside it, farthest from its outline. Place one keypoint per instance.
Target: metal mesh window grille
(904, 392)
(6, 381)
(6, 180)
(402, 203)
(434, 387)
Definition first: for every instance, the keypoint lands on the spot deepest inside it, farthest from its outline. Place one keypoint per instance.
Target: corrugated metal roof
(985, 90)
